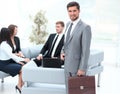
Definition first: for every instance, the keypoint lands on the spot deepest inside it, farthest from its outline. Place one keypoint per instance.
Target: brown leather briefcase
(81, 85)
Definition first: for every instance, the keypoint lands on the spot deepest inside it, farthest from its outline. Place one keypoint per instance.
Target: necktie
(53, 45)
(68, 32)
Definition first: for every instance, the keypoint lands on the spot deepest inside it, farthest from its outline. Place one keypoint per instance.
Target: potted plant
(39, 33)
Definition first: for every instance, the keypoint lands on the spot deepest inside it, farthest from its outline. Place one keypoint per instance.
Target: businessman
(53, 45)
(77, 43)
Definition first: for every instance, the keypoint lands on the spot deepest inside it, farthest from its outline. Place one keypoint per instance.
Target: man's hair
(60, 22)
(71, 4)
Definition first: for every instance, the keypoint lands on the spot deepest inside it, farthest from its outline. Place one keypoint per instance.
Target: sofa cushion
(35, 50)
(32, 51)
(26, 52)
(47, 75)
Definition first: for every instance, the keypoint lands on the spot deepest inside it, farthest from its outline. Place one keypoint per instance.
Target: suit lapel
(76, 29)
(59, 47)
(50, 41)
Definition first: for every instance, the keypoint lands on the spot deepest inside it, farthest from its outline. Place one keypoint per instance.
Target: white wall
(102, 15)
(18, 11)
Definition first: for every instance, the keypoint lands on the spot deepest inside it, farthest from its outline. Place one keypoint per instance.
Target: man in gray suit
(76, 48)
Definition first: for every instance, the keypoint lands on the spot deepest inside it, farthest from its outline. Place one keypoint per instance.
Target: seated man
(53, 45)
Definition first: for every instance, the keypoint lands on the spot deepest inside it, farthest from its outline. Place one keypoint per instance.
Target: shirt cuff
(40, 55)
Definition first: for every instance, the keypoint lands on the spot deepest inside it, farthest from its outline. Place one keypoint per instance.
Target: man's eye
(69, 11)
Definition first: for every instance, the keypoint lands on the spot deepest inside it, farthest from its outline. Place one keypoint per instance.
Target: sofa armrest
(94, 62)
(96, 57)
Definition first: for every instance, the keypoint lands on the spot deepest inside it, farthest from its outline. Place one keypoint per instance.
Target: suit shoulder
(85, 24)
(16, 37)
(53, 34)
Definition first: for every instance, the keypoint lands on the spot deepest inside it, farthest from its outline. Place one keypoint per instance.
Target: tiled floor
(110, 80)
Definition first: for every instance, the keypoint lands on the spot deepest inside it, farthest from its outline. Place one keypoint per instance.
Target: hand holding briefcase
(81, 85)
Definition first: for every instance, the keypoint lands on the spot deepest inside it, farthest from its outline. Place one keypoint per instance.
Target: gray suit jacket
(77, 48)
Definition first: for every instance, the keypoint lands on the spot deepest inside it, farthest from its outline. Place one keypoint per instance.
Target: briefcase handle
(77, 75)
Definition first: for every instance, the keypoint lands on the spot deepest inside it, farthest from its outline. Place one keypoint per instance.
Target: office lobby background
(102, 15)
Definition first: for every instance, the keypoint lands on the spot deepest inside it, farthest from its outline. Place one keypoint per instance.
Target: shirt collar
(76, 21)
(59, 34)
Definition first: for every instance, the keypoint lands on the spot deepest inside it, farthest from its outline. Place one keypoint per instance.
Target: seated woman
(9, 62)
(15, 40)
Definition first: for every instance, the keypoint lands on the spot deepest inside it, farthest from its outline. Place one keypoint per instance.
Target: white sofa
(43, 80)
(40, 80)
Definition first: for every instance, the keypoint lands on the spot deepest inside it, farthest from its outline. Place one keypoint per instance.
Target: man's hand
(62, 56)
(80, 73)
(39, 57)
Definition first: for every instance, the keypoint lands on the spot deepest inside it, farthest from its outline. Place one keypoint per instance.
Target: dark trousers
(39, 62)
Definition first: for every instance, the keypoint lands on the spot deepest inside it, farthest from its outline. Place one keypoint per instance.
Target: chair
(3, 75)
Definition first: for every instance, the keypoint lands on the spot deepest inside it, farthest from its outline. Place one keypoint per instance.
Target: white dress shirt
(73, 26)
(6, 53)
(56, 44)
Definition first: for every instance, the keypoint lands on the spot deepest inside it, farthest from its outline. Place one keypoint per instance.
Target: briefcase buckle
(81, 87)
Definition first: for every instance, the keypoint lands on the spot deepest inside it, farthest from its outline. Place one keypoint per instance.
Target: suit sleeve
(19, 48)
(17, 42)
(86, 40)
(45, 47)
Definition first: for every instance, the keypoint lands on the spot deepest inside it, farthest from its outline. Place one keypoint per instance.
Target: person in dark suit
(15, 40)
(76, 48)
(9, 62)
(51, 50)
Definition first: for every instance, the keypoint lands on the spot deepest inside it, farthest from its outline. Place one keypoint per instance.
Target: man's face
(59, 28)
(73, 13)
